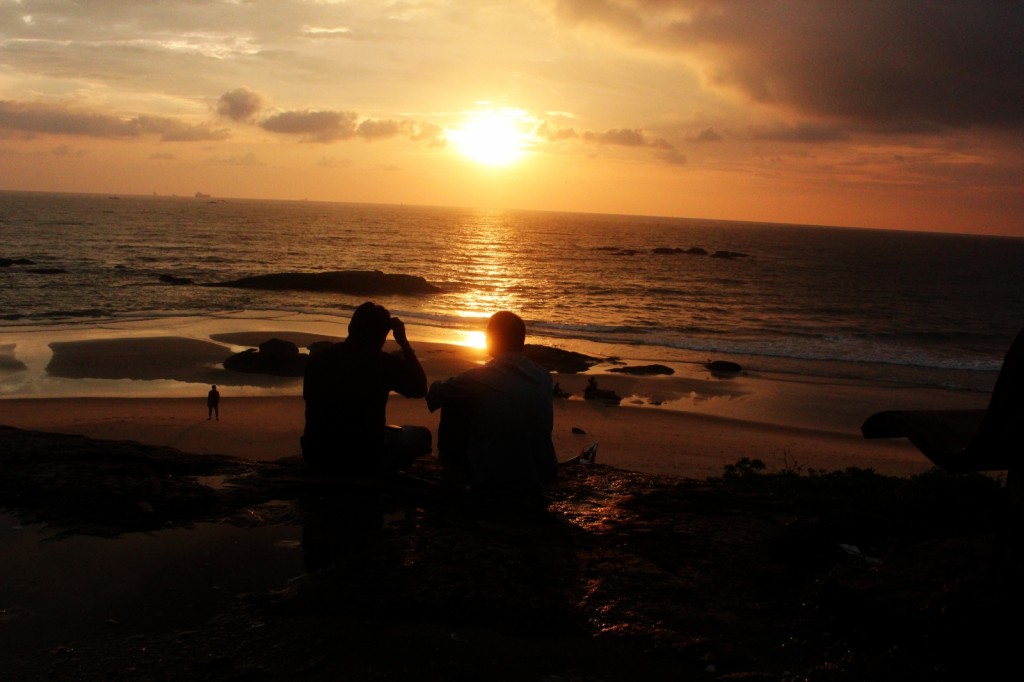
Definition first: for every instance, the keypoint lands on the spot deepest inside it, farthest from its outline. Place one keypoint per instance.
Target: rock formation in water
(558, 360)
(356, 282)
(723, 367)
(277, 357)
(644, 370)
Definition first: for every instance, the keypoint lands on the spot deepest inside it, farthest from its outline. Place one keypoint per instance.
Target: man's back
(346, 389)
(507, 407)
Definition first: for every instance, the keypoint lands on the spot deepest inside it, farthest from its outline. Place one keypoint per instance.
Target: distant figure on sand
(496, 420)
(213, 403)
(346, 387)
(592, 392)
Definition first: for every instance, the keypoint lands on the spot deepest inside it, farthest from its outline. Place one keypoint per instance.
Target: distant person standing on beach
(213, 403)
(346, 388)
(496, 420)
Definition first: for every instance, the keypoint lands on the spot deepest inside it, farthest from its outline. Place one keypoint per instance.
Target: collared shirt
(509, 403)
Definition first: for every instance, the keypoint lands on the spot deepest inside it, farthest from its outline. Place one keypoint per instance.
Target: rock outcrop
(723, 367)
(275, 356)
(644, 370)
(558, 360)
(356, 282)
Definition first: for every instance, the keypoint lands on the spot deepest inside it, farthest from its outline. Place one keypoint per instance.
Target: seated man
(496, 420)
(346, 388)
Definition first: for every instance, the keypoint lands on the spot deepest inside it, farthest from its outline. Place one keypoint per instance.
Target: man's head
(370, 324)
(506, 332)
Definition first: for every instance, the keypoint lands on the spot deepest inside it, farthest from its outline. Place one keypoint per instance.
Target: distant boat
(200, 195)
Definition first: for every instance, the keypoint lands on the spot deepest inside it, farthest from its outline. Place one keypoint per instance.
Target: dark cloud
(315, 126)
(891, 65)
(630, 137)
(241, 104)
(331, 126)
(804, 132)
(59, 120)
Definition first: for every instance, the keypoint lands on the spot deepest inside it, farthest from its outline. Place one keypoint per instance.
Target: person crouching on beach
(496, 420)
(346, 387)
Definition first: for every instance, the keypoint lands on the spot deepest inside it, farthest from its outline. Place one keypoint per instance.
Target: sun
(493, 137)
(475, 339)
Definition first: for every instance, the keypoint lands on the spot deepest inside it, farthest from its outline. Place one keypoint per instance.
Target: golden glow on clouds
(493, 137)
(624, 106)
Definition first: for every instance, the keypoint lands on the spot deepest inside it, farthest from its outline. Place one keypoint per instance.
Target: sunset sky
(876, 114)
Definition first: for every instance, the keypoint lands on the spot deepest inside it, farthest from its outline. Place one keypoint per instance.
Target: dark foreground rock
(753, 576)
(355, 282)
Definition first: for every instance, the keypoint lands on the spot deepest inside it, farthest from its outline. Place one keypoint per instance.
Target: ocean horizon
(929, 309)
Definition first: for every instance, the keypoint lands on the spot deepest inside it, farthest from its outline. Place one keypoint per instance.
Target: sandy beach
(149, 386)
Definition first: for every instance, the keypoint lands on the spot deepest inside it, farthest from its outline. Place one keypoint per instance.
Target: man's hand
(398, 329)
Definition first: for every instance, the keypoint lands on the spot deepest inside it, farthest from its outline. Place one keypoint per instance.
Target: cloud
(547, 131)
(632, 137)
(331, 126)
(247, 159)
(66, 150)
(373, 129)
(803, 132)
(315, 126)
(888, 65)
(61, 120)
(706, 135)
(618, 136)
(241, 104)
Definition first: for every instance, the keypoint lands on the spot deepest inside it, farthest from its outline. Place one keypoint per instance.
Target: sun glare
(493, 137)
(475, 340)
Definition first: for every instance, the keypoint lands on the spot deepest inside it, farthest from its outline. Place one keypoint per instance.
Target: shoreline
(146, 381)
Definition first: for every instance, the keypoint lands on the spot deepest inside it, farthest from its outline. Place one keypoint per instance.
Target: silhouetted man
(496, 420)
(346, 389)
(213, 403)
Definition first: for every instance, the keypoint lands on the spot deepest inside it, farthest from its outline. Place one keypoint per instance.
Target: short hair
(506, 332)
(370, 322)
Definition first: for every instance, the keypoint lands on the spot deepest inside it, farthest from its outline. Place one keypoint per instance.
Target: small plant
(744, 468)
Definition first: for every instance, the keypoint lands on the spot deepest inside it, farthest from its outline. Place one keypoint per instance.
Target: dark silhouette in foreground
(818, 577)
(961, 441)
(213, 403)
(496, 420)
(346, 387)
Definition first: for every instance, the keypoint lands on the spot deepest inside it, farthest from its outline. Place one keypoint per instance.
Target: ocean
(918, 308)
